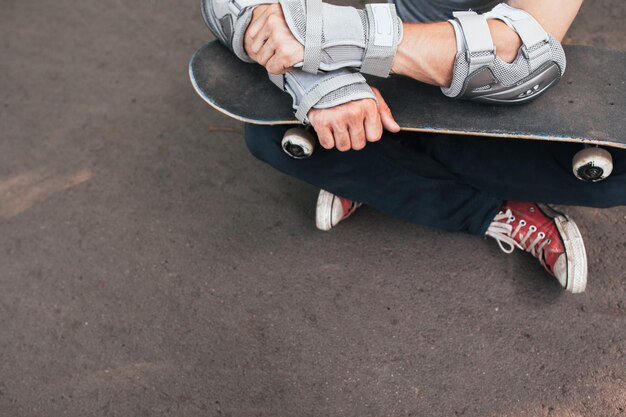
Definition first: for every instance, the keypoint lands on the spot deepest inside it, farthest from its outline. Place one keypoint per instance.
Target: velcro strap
(476, 31)
(528, 29)
(313, 96)
(480, 49)
(382, 39)
(538, 56)
(313, 37)
(532, 34)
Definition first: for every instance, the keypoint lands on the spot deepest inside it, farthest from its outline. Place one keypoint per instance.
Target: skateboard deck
(588, 105)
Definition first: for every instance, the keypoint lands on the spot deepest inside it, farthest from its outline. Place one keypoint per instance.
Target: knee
(264, 141)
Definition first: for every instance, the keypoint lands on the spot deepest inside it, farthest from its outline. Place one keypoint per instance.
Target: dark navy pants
(447, 182)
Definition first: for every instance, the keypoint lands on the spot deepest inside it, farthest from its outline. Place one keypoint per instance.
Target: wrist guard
(322, 90)
(333, 36)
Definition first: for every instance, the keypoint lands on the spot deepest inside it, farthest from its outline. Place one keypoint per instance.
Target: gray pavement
(151, 267)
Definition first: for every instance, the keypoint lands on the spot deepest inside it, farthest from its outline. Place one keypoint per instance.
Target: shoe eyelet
(549, 241)
(522, 222)
(542, 235)
(533, 228)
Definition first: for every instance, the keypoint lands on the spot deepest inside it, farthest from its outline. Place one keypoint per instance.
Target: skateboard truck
(592, 164)
(298, 142)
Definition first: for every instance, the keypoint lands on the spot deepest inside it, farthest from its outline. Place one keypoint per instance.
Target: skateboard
(587, 106)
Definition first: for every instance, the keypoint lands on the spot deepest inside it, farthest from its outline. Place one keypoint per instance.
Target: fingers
(357, 135)
(269, 41)
(257, 20)
(265, 52)
(351, 125)
(252, 41)
(275, 58)
(386, 117)
(284, 57)
(325, 137)
(347, 127)
(372, 123)
(342, 138)
(373, 126)
(344, 127)
(365, 125)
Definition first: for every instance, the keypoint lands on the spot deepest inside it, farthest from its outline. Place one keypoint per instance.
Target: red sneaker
(548, 235)
(331, 209)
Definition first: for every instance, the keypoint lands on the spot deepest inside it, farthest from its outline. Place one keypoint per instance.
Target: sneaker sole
(575, 253)
(323, 217)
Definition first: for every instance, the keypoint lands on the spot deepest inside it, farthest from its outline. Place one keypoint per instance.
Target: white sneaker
(332, 209)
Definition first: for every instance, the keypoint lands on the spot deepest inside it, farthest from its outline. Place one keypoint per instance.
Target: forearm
(428, 50)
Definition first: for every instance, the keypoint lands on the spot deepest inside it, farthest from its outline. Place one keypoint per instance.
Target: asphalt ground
(151, 267)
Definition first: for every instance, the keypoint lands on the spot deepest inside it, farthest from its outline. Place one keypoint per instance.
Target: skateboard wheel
(298, 143)
(592, 164)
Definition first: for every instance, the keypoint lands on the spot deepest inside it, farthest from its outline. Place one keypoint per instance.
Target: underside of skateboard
(591, 164)
(587, 106)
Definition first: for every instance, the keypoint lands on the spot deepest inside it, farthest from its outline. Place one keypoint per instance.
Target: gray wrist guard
(339, 36)
(481, 76)
(333, 36)
(322, 90)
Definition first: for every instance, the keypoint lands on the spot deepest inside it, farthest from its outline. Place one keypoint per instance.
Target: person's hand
(351, 125)
(269, 41)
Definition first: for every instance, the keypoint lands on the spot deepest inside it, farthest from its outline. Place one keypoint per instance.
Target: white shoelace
(504, 234)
